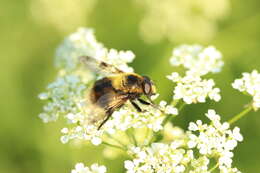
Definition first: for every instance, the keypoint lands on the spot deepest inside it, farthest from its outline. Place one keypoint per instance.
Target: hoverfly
(113, 91)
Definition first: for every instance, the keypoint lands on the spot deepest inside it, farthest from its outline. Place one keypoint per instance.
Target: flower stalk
(240, 115)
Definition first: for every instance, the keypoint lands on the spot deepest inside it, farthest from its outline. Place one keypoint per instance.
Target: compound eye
(147, 88)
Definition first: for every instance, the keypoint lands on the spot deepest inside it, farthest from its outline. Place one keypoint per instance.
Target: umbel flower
(216, 140)
(197, 59)
(83, 42)
(193, 89)
(64, 96)
(250, 85)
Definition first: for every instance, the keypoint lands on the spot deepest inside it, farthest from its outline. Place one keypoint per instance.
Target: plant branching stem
(214, 167)
(240, 115)
(132, 133)
(182, 106)
(131, 136)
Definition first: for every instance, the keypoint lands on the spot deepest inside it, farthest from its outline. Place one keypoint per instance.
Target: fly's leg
(143, 101)
(109, 113)
(136, 106)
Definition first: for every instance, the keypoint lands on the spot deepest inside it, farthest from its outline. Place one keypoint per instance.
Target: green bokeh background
(26, 67)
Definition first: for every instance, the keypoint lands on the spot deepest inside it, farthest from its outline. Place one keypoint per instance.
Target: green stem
(113, 146)
(131, 137)
(132, 133)
(182, 106)
(240, 115)
(166, 119)
(147, 136)
(214, 167)
(175, 102)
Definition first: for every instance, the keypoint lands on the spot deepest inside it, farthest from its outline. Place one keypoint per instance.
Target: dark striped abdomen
(102, 87)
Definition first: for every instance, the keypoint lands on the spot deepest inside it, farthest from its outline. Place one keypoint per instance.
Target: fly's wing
(99, 67)
(95, 113)
(112, 101)
(104, 106)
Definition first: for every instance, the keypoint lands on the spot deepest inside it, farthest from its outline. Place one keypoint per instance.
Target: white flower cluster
(250, 84)
(64, 96)
(94, 168)
(82, 132)
(214, 140)
(161, 158)
(197, 59)
(123, 119)
(194, 89)
(84, 43)
(181, 20)
(152, 118)
(192, 152)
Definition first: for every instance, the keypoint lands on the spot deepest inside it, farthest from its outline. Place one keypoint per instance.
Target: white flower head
(197, 59)
(215, 139)
(127, 117)
(84, 43)
(158, 158)
(250, 84)
(63, 96)
(194, 89)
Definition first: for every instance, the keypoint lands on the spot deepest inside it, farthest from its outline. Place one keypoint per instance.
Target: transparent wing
(99, 67)
(105, 105)
(112, 101)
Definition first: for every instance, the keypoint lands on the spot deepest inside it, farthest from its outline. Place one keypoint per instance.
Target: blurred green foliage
(26, 58)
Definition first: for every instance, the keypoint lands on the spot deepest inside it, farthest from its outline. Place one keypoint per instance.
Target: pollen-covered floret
(197, 59)
(250, 84)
